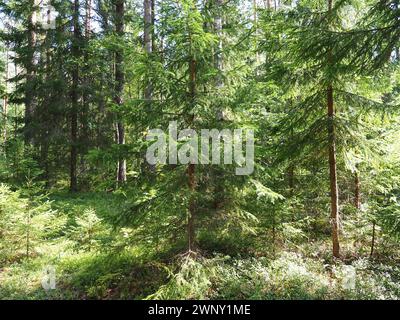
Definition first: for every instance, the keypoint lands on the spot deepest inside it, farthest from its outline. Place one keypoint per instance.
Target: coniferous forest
(104, 104)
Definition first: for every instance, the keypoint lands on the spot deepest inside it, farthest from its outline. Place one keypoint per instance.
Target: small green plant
(24, 224)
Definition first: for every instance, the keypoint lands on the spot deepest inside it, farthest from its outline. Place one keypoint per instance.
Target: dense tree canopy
(86, 82)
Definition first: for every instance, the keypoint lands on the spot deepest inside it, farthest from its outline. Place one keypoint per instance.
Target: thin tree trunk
(5, 103)
(373, 239)
(148, 42)
(153, 19)
(30, 75)
(45, 128)
(219, 194)
(28, 235)
(191, 232)
(119, 86)
(333, 175)
(274, 236)
(332, 162)
(255, 22)
(192, 209)
(218, 59)
(75, 101)
(357, 191)
(86, 81)
(84, 114)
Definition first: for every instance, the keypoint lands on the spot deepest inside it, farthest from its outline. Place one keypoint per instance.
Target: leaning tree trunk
(75, 100)
(119, 87)
(332, 162)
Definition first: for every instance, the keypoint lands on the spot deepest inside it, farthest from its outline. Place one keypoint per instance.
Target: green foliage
(213, 64)
(24, 224)
(88, 230)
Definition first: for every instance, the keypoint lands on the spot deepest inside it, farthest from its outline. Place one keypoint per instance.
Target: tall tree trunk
(84, 114)
(75, 100)
(148, 25)
(5, 103)
(357, 190)
(291, 168)
(30, 74)
(86, 82)
(148, 42)
(218, 25)
(255, 23)
(333, 175)
(153, 20)
(332, 162)
(119, 86)
(191, 232)
(219, 194)
(46, 124)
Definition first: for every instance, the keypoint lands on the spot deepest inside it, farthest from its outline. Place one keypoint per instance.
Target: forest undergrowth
(87, 268)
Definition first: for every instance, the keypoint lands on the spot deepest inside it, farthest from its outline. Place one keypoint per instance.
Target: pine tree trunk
(332, 161)
(75, 101)
(218, 174)
(45, 129)
(119, 86)
(86, 81)
(255, 23)
(191, 232)
(153, 19)
(148, 41)
(5, 103)
(218, 31)
(30, 75)
(333, 175)
(192, 209)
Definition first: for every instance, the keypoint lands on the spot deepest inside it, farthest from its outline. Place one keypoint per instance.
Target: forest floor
(89, 264)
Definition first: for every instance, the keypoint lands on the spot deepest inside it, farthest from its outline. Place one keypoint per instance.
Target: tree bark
(373, 239)
(333, 175)
(119, 86)
(218, 31)
(191, 232)
(148, 41)
(84, 136)
(332, 161)
(86, 80)
(192, 209)
(357, 190)
(5, 103)
(75, 101)
(30, 75)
